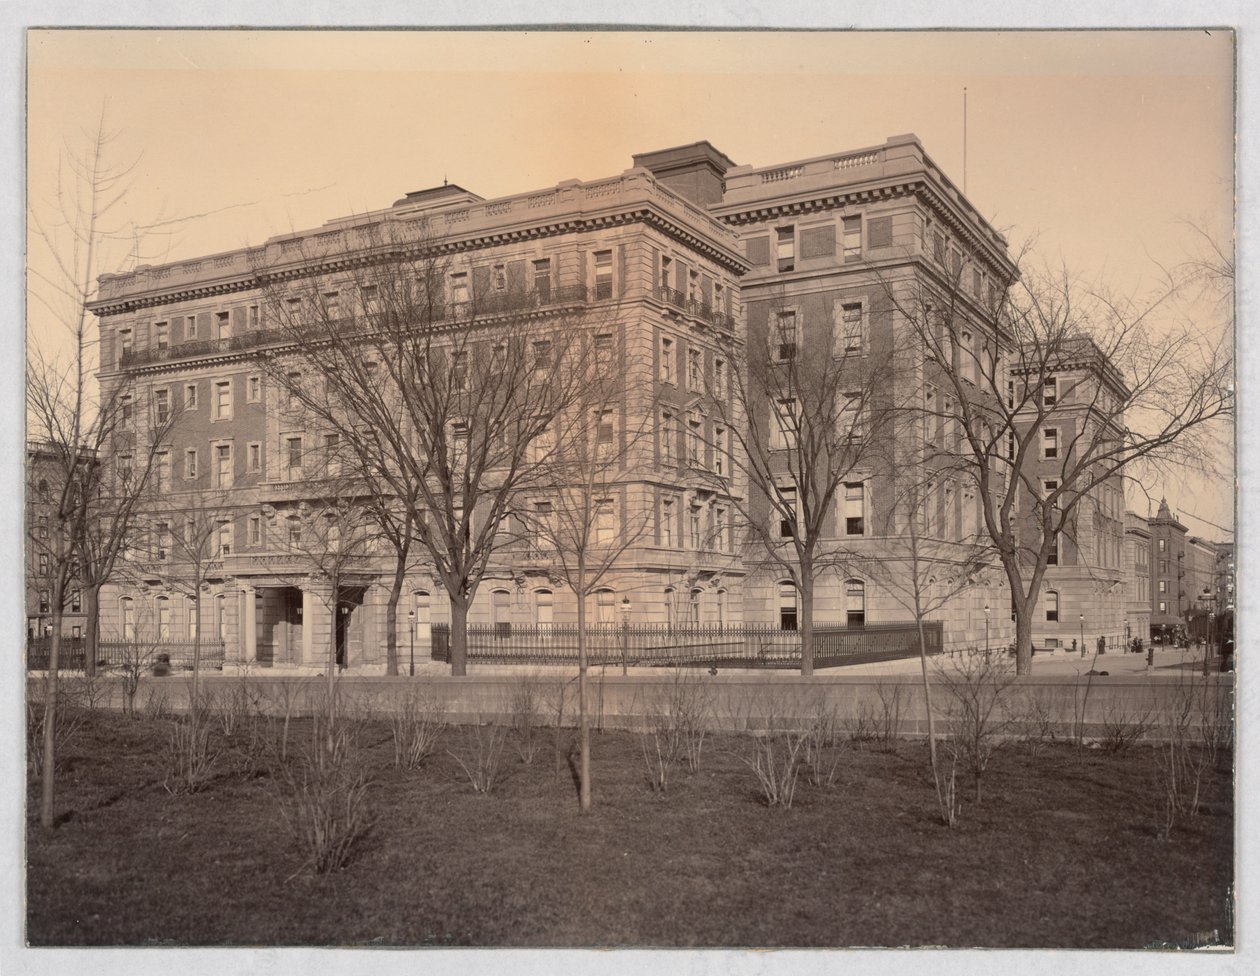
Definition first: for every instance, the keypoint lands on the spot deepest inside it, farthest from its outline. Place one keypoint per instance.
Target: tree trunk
(459, 637)
(391, 618)
(931, 719)
(91, 628)
(196, 682)
(584, 723)
(1023, 638)
(48, 777)
(806, 623)
(332, 648)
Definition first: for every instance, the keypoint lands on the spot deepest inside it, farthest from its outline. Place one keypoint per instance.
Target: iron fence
(743, 646)
(114, 654)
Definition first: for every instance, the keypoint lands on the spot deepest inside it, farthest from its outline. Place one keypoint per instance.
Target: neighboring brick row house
(684, 257)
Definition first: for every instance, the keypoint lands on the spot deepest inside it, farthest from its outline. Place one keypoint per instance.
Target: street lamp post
(411, 625)
(1082, 635)
(986, 631)
(1207, 651)
(625, 633)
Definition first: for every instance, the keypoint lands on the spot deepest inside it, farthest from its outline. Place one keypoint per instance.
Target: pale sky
(1095, 143)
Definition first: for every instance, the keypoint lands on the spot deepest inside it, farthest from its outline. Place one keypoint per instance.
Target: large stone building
(675, 257)
(1168, 573)
(1083, 594)
(44, 479)
(1137, 571)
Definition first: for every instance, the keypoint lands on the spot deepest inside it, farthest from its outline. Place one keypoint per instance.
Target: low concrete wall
(736, 702)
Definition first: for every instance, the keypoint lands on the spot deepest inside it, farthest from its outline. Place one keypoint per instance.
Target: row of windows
(191, 328)
(695, 442)
(786, 419)
(854, 604)
(705, 527)
(848, 326)
(793, 244)
(675, 275)
(852, 506)
(44, 599)
(162, 621)
(715, 380)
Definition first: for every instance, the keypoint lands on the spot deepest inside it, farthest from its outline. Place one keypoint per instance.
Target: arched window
(190, 611)
(605, 606)
(163, 619)
(421, 605)
(721, 608)
(693, 607)
(855, 602)
(43, 489)
(500, 612)
(669, 607)
(127, 613)
(542, 608)
(787, 605)
(1052, 605)
(966, 357)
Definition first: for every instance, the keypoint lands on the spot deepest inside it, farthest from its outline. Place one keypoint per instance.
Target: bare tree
(810, 408)
(1048, 393)
(438, 394)
(924, 567)
(184, 549)
(587, 522)
(98, 452)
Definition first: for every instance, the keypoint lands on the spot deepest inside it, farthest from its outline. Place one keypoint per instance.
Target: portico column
(249, 624)
(308, 624)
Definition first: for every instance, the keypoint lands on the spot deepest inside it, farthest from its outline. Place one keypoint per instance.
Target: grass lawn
(1064, 851)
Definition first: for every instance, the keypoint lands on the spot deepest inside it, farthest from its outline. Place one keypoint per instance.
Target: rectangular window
(45, 601)
(693, 527)
(854, 508)
(76, 603)
(605, 442)
(499, 273)
(544, 527)
(223, 466)
(667, 437)
(292, 389)
(721, 464)
(1053, 558)
(852, 328)
(603, 274)
(720, 519)
(785, 248)
(190, 396)
(1163, 606)
(190, 463)
(604, 352)
(695, 369)
(163, 541)
(459, 371)
(1050, 442)
(368, 295)
(667, 522)
(784, 339)
(162, 470)
(542, 445)
(255, 530)
(1050, 391)
(43, 564)
(459, 287)
(852, 239)
(693, 287)
(605, 522)
(1163, 586)
(43, 527)
(125, 342)
(293, 450)
(190, 327)
(253, 317)
(666, 266)
(1049, 486)
(542, 279)
(1052, 606)
(542, 355)
(161, 407)
(126, 410)
(332, 454)
(162, 336)
(224, 324)
(225, 539)
(787, 512)
(783, 424)
(253, 456)
(667, 365)
(1163, 545)
(332, 304)
(850, 419)
(719, 378)
(695, 440)
(223, 400)
(938, 247)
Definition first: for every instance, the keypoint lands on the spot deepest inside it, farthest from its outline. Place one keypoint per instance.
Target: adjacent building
(1137, 572)
(1168, 573)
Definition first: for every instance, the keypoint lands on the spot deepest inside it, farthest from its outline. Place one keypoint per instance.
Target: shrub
(416, 725)
(1123, 724)
(976, 683)
(1031, 721)
(891, 706)
(190, 760)
(323, 794)
(68, 720)
(525, 708)
(823, 749)
(481, 765)
(776, 762)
